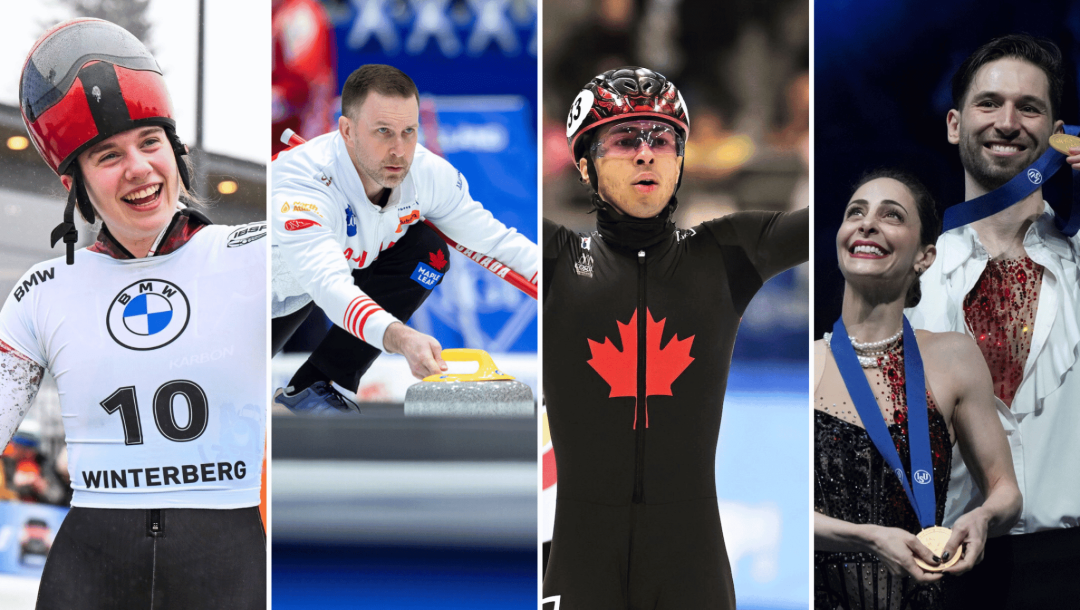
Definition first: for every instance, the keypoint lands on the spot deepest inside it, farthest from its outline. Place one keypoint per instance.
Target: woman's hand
(897, 549)
(970, 531)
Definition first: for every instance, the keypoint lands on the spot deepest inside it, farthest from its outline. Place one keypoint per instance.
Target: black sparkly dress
(853, 483)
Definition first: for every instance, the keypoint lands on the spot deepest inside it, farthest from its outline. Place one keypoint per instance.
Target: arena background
(379, 510)
(882, 89)
(228, 156)
(742, 68)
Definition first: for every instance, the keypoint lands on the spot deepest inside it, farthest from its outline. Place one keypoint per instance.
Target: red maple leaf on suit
(438, 260)
(663, 365)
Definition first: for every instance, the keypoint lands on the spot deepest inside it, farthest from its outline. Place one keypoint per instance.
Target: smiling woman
(880, 389)
(163, 516)
(132, 180)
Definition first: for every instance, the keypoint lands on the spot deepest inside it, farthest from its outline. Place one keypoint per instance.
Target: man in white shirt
(1011, 281)
(347, 211)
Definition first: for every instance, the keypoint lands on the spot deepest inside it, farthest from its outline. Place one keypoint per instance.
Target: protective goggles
(626, 139)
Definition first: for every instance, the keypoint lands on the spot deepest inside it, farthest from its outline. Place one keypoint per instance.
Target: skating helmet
(628, 93)
(84, 81)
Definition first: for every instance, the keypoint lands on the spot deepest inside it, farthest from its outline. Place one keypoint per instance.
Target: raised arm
(757, 245)
(985, 451)
(772, 241)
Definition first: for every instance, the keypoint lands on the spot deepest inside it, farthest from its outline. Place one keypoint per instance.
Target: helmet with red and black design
(84, 81)
(624, 94)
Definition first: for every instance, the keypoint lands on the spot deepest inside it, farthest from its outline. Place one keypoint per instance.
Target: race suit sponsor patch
(184, 474)
(148, 314)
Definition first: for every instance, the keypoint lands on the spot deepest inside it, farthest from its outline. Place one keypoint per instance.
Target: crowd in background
(743, 70)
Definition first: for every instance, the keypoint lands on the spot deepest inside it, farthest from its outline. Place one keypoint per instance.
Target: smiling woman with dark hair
(164, 448)
(882, 469)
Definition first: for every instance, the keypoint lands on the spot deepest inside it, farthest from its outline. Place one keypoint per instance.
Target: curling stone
(486, 393)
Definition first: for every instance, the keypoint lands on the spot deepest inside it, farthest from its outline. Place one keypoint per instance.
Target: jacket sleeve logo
(350, 222)
(299, 224)
(426, 276)
(410, 218)
(437, 260)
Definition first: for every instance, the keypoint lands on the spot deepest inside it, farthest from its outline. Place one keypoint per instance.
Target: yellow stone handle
(487, 371)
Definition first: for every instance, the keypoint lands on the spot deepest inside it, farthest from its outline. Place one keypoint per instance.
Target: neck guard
(629, 232)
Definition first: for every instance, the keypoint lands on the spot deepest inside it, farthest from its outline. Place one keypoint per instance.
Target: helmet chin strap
(66, 230)
(180, 151)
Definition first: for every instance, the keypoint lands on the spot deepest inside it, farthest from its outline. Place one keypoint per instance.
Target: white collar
(963, 243)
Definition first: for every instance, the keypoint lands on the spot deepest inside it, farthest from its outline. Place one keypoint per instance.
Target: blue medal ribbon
(1022, 185)
(920, 490)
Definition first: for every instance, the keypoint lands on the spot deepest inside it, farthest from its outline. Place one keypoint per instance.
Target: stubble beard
(384, 178)
(992, 174)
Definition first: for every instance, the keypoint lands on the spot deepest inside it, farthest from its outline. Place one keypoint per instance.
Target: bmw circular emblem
(1035, 176)
(148, 314)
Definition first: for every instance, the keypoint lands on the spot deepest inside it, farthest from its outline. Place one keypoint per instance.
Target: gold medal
(935, 538)
(1062, 142)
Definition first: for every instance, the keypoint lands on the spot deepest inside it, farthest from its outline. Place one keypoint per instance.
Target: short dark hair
(379, 78)
(1040, 52)
(924, 203)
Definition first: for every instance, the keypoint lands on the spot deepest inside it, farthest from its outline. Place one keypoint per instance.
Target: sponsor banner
(480, 47)
(26, 535)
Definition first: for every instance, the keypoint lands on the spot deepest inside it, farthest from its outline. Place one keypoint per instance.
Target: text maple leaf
(438, 260)
(663, 365)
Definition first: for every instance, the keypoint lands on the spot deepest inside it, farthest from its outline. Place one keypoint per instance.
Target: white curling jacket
(324, 226)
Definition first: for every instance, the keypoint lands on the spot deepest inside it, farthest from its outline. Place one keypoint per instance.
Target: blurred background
(743, 70)
(883, 74)
(383, 511)
(229, 152)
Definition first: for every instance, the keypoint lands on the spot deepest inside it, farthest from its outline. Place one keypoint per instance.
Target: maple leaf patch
(663, 365)
(438, 260)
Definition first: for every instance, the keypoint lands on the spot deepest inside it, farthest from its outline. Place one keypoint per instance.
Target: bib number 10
(123, 400)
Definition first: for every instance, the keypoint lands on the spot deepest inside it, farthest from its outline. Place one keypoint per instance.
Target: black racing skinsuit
(636, 520)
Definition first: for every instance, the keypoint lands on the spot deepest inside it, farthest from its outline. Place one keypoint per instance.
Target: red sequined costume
(1000, 311)
(852, 482)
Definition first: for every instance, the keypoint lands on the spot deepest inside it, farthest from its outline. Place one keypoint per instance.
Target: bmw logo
(148, 314)
(1035, 176)
(921, 476)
